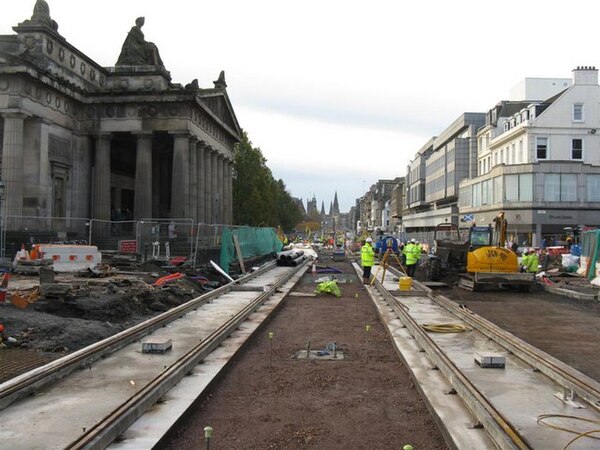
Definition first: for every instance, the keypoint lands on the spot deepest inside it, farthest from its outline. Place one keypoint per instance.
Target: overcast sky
(341, 93)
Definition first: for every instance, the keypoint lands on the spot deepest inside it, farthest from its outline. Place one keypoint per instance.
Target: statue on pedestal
(136, 51)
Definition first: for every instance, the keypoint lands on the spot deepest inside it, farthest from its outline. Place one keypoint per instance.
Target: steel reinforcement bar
(107, 430)
(32, 381)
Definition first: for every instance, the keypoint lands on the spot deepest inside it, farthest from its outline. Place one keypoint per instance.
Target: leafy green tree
(288, 212)
(259, 200)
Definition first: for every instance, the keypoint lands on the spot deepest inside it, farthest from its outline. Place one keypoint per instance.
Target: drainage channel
(526, 400)
(89, 408)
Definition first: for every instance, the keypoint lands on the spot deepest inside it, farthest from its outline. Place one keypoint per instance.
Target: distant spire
(322, 208)
(336, 205)
(330, 208)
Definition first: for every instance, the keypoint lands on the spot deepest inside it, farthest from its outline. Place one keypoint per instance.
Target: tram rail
(496, 421)
(108, 427)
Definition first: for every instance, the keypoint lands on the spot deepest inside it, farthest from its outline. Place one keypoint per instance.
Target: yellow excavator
(482, 260)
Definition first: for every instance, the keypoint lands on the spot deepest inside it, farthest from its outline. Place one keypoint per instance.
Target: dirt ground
(364, 401)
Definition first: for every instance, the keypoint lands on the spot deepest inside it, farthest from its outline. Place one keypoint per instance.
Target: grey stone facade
(81, 140)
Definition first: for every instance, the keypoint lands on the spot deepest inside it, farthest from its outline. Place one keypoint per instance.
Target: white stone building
(540, 164)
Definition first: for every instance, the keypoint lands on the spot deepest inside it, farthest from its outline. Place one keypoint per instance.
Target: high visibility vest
(367, 255)
(410, 251)
(532, 263)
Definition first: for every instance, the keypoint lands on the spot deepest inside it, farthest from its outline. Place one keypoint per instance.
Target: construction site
(323, 358)
(161, 288)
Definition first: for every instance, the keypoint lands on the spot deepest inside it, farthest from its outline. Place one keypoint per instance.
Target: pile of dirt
(65, 325)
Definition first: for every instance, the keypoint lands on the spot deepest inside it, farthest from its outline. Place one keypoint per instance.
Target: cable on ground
(541, 421)
(445, 327)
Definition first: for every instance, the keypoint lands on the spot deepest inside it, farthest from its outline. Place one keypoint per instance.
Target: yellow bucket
(405, 283)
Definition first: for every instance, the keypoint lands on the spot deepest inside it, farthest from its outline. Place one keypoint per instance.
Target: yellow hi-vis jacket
(367, 255)
(411, 252)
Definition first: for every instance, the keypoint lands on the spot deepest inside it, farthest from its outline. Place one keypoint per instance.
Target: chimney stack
(585, 75)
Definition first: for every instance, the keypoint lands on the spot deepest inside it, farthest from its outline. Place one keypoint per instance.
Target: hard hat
(369, 239)
(416, 242)
(412, 240)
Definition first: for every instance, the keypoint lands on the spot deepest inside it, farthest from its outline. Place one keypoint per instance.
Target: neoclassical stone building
(81, 140)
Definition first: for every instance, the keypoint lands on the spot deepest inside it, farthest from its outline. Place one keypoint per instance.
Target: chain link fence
(152, 238)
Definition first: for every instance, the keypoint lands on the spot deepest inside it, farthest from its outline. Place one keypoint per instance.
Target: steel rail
(108, 429)
(564, 375)
(499, 429)
(583, 386)
(578, 383)
(32, 381)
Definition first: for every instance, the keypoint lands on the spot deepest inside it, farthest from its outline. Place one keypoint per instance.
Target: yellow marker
(407, 447)
(271, 334)
(356, 295)
(132, 382)
(367, 328)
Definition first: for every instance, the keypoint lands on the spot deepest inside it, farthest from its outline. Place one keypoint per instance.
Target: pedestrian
(410, 252)
(367, 259)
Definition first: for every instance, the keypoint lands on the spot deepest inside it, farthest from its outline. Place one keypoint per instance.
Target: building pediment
(217, 101)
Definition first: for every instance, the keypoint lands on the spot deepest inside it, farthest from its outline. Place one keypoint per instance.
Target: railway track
(51, 406)
(511, 404)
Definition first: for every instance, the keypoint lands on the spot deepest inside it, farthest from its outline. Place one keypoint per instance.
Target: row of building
(536, 157)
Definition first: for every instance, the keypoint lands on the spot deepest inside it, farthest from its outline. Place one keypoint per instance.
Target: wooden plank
(239, 253)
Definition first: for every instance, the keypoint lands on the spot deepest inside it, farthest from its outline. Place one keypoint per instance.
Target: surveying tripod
(385, 263)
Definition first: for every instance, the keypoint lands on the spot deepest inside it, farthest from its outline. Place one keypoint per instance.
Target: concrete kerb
(569, 293)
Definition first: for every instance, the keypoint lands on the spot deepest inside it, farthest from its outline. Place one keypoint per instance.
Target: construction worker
(367, 259)
(411, 251)
(532, 262)
(419, 250)
(524, 260)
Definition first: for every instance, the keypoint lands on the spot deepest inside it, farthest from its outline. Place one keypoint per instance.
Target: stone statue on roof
(220, 83)
(41, 16)
(136, 51)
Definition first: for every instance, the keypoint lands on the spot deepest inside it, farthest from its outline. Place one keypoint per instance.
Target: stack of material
(122, 261)
(32, 266)
(290, 258)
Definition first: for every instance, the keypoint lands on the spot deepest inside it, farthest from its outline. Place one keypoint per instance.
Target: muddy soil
(69, 324)
(271, 399)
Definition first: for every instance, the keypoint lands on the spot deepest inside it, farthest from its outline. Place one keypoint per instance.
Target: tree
(259, 200)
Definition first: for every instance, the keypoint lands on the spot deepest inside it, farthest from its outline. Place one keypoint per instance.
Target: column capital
(103, 135)
(180, 133)
(143, 133)
(14, 114)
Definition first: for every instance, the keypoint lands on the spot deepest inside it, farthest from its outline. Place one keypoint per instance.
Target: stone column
(207, 185)
(229, 187)
(220, 190)
(201, 189)
(214, 187)
(12, 169)
(193, 206)
(180, 176)
(101, 200)
(143, 177)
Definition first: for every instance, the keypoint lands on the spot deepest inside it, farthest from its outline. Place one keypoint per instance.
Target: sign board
(128, 246)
